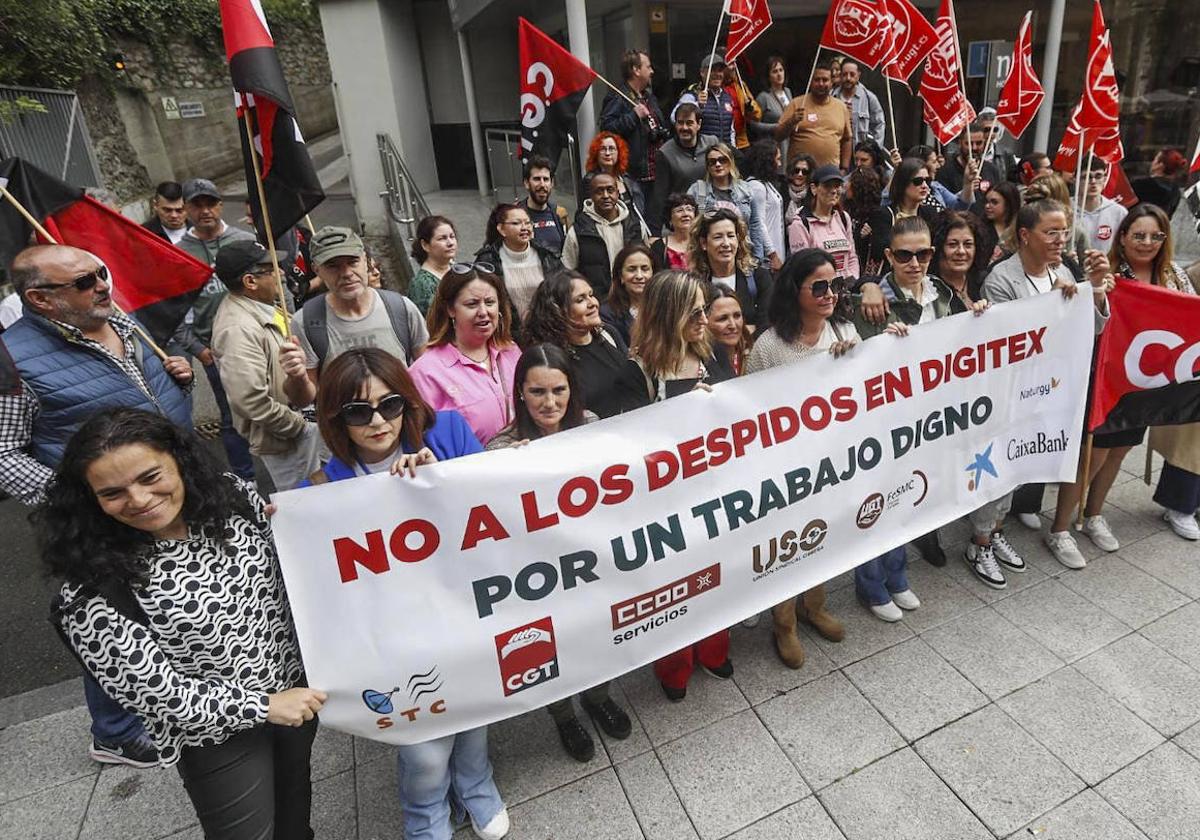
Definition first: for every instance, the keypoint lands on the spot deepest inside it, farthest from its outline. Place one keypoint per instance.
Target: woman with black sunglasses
(797, 178)
(906, 196)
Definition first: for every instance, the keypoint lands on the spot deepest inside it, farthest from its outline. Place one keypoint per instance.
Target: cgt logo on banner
(531, 574)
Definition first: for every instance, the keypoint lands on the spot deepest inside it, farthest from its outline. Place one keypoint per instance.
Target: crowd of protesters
(759, 232)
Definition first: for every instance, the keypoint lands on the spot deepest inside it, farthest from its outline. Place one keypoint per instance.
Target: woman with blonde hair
(723, 187)
(1054, 187)
(720, 253)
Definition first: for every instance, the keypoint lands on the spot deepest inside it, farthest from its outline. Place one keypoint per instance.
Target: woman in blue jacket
(374, 420)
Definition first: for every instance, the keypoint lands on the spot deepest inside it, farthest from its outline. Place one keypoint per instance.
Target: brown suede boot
(787, 643)
(812, 610)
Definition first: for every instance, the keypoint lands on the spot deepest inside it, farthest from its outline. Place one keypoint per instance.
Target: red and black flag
(289, 179)
(553, 84)
(1148, 362)
(152, 280)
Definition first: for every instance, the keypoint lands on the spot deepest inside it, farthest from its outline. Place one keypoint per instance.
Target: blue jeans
(879, 577)
(430, 772)
(111, 723)
(237, 449)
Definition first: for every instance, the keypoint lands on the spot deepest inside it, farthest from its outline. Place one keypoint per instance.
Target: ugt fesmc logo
(528, 655)
(1147, 344)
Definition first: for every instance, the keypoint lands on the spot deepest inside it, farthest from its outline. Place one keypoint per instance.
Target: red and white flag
(913, 39)
(553, 84)
(1118, 188)
(859, 28)
(944, 97)
(1095, 122)
(1022, 94)
(1196, 159)
(747, 20)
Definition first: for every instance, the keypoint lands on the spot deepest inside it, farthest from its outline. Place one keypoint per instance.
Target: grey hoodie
(613, 234)
(1008, 281)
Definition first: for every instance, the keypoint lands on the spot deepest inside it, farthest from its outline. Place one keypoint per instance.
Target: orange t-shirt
(820, 129)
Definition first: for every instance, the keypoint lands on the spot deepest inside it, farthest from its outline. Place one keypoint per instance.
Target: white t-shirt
(371, 330)
(379, 466)
(729, 282)
(927, 299)
(176, 234)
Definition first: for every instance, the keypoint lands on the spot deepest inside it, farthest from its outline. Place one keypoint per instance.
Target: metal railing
(505, 168)
(402, 199)
(55, 140)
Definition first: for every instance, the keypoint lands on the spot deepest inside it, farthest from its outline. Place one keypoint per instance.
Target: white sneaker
(1062, 546)
(982, 561)
(906, 600)
(887, 612)
(1030, 520)
(494, 830)
(1096, 527)
(1182, 524)
(752, 621)
(1007, 553)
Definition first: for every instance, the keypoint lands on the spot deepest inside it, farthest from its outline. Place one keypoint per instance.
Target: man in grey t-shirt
(350, 315)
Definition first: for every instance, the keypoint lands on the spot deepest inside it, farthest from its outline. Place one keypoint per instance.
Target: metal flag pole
(713, 51)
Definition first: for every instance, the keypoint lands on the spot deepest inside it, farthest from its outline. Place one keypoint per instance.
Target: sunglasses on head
(821, 288)
(361, 412)
(904, 256)
(920, 181)
(81, 283)
(467, 268)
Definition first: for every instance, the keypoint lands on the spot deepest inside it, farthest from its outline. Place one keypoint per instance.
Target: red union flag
(1105, 144)
(1022, 94)
(913, 38)
(859, 28)
(747, 20)
(1196, 159)
(943, 96)
(1118, 188)
(553, 83)
(1100, 106)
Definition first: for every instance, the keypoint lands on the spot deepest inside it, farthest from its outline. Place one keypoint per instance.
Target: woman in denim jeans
(374, 420)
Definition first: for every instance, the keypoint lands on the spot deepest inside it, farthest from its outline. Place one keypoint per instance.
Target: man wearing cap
(715, 104)
(207, 237)
(350, 315)
(823, 224)
(247, 334)
(817, 123)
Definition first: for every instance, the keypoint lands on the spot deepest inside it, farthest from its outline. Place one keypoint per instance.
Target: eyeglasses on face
(1055, 234)
(467, 268)
(361, 412)
(82, 283)
(905, 256)
(696, 315)
(1143, 238)
(822, 288)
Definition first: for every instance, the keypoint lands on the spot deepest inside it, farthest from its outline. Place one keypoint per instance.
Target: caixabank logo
(658, 607)
(528, 655)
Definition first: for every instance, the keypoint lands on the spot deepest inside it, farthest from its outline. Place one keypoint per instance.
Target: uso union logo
(528, 655)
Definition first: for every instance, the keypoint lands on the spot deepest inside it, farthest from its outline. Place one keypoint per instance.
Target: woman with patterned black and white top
(174, 602)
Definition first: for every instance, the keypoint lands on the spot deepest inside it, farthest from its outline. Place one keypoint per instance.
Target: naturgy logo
(1042, 389)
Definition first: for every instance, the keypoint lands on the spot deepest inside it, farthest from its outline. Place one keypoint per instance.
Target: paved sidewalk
(1064, 708)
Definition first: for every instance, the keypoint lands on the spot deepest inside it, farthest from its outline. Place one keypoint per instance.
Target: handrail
(402, 198)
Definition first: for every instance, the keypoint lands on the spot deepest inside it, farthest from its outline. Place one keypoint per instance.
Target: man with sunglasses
(76, 354)
(248, 332)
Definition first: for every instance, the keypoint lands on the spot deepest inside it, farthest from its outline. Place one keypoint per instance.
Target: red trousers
(673, 670)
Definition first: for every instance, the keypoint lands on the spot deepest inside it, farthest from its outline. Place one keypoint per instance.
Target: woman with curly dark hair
(609, 153)
(173, 600)
(761, 164)
(862, 197)
(565, 313)
(956, 238)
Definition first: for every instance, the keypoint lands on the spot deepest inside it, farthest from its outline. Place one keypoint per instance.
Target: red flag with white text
(859, 28)
(1118, 188)
(553, 84)
(1022, 94)
(1099, 107)
(1196, 159)
(912, 37)
(747, 20)
(1106, 144)
(940, 82)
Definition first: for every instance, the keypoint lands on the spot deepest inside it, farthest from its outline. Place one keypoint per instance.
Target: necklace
(484, 360)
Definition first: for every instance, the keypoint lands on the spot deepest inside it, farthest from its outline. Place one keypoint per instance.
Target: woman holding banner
(162, 556)
(547, 402)
(373, 420)
(803, 323)
(1142, 251)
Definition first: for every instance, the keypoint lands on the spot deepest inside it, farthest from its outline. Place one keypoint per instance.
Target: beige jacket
(1179, 445)
(246, 342)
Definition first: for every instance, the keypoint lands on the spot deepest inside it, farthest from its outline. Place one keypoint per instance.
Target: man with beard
(817, 123)
(866, 114)
(679, 163)
(550, 221)
(77, 355)
(636, 117)
(603, 226)
(952, 174)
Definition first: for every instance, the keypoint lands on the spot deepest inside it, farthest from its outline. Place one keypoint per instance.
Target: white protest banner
(494, 584)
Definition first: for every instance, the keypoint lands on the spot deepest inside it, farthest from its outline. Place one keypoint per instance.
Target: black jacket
(548, 259)
(756, 301)
(155, 226)
(870, 257)
(594, 263)
(643, 136)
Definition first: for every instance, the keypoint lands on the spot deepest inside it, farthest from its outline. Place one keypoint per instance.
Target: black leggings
(254, 786)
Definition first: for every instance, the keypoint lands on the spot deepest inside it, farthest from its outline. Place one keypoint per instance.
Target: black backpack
(316, 323)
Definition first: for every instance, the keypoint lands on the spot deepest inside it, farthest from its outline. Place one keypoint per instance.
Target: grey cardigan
(1007, 281)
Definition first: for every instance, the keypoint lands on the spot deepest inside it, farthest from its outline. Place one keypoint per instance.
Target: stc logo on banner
(419, 686)
(528, 655)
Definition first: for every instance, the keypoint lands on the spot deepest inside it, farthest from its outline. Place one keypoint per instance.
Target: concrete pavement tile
(1125, 591)
(655, 803)
(1065, 622)
(378, 800)
(333, 753)
(865, 634)
(708, 699)
(1086, 729)
(1156, 686)
(334, 806)
(805, 819)
(942, 599)
(914, 688)
(1159, 793)
(991, 652)
(731, 774)
(593, 807)
(958, 571)
(366, 751)
(899, 798)
(757, 669)
(1189, 739)
(828, 729)
(1130, 527)
(528, 759)
(1170, 559)
(193, 833)
(44, 753)
(1086, 817)
(1005, 777)
(49, 814)
(1178, 634)
(137, 805)
(1136, 499)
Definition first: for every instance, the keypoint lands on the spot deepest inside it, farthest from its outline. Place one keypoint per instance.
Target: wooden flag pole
(1077, 203)
(811, 73)
(622, 93)
(891, 114)
(45, 234)
(266, 216)
(1087, 479)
